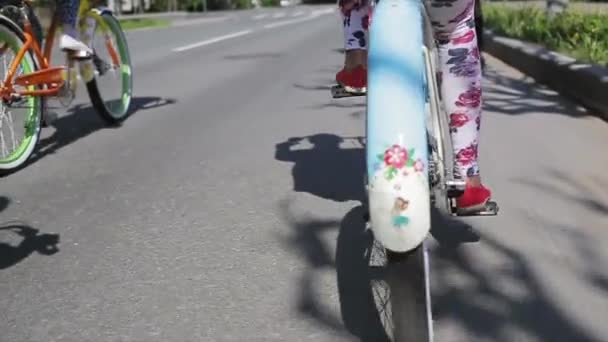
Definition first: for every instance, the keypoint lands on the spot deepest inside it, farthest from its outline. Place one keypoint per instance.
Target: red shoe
(354, 81)
(474, 198)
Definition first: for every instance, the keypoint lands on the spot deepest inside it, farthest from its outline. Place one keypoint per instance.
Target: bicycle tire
(409, 299)
(11, 34)
(109, 115)
(17, 18)
(397, 118)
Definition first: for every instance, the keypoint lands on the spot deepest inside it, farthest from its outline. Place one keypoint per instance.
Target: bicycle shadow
(32, 241)
(4, 201)
(82, 120)
(331, 172)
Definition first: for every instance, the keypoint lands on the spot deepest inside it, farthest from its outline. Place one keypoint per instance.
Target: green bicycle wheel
(19, 119)
(110, 84)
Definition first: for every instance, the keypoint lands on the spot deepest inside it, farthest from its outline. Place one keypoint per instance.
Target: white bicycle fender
(396, 151)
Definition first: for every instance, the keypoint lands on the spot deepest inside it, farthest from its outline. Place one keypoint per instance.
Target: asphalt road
(200, 220)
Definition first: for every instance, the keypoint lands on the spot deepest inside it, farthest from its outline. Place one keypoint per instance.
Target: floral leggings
(68, 11)
(459, 63)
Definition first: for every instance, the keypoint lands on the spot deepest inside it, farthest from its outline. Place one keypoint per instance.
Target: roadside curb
(584, 82)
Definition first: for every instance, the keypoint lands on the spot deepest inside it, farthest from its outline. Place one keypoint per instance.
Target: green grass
(131, 24)
(583, 36)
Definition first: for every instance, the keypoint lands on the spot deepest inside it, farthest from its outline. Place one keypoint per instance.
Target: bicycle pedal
(78, 55)
(490, 209)
(455, 188)
(338, 92)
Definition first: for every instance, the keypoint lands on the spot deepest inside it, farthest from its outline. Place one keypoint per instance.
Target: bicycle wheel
(108, 75)
(397, 160)
(20, 119)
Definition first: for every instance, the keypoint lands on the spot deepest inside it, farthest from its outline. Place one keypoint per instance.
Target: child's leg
(459, 61)
(67, 11)
(355, 21)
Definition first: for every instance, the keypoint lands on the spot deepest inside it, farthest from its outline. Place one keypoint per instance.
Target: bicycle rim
(23, 114)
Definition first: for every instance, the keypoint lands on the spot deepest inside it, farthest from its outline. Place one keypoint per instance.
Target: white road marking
(199, 21)
(313, 15)
(212, 40)
(294, 21)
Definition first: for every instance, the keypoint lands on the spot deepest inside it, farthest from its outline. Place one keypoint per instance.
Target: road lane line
(294, 21)
(189, 22)
(314, 15)
(212, 40)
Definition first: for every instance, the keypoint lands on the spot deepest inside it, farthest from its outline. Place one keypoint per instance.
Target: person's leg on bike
(67, 11)
(355, 21)
(459, 63)
(479, 30)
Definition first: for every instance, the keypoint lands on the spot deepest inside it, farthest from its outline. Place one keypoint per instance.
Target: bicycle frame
(52, 77)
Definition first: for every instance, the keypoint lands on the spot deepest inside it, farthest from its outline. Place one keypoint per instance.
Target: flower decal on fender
(396, 157)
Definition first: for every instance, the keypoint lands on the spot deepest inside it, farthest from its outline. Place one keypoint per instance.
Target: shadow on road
(484, 306)
(587, 239)
(509, 95)
(325, 168)
(82, 120)
(581, 194)
(4, 203)
(328, 171)
(31, 241)
(316, 87)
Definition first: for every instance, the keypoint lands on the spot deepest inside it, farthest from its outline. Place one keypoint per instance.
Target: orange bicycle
(31, 78)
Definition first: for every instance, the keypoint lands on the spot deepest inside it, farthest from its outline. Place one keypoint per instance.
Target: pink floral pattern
(458, 119)
(396, 159)
(365, 22)
(465, 38)
(471, 98)
(467, 155)
(396, 156)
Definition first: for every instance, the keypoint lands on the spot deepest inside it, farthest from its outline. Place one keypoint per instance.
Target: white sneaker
(80, 49)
